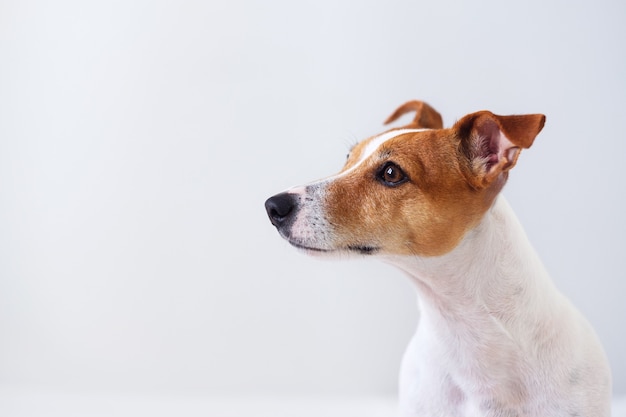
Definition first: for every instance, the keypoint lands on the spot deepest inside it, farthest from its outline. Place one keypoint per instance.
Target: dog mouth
(360, 249)
(364, 249)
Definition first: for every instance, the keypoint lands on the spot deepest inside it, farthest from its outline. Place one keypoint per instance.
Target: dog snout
(281, 209)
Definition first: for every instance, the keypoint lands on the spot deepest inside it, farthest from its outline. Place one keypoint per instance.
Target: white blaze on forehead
(375, 143)
(370, 148)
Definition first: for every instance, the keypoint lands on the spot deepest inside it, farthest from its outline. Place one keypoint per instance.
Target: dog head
(415, 190)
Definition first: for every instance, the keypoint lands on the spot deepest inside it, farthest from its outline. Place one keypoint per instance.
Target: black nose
(281, 208)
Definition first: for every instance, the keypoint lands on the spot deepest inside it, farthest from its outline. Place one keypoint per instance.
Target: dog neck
(484, 307)
(494, 271)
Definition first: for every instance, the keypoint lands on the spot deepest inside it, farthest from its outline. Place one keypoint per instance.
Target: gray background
(139, 140)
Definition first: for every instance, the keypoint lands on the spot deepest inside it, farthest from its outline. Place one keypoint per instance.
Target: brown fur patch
(427, 215)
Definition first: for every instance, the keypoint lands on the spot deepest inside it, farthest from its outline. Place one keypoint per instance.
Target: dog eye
(391, 174)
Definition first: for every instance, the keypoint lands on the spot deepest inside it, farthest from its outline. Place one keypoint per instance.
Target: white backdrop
(139, 140)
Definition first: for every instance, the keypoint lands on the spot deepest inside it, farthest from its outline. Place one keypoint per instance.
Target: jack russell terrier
(495, 337)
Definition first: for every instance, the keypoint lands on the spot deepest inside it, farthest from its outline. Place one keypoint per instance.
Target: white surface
(32, 403)
(139, 140)
(28, 404)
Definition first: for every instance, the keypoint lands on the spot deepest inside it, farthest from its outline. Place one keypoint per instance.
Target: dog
(495, 337)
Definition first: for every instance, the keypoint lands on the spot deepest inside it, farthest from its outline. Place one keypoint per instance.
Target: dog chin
(308, 248)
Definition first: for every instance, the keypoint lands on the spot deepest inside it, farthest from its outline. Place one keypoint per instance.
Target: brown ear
(493, 143)
(425, 116)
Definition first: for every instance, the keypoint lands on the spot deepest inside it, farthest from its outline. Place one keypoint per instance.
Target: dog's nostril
(276, 214)
(279, 208)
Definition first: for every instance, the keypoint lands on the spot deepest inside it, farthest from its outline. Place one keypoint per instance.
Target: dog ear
(425, 116)
(492, 143)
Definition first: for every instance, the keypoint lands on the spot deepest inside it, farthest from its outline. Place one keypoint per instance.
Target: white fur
(495, 336)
